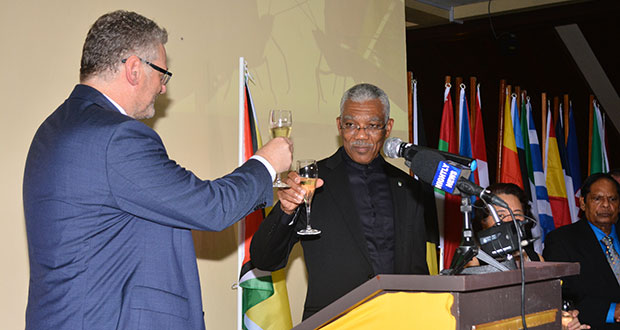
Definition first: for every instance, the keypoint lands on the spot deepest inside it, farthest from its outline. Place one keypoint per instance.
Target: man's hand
(278, 152)
(617, 313)
(571, 322)
(291, 198)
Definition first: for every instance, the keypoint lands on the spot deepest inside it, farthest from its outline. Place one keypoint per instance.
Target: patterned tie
(612, 256)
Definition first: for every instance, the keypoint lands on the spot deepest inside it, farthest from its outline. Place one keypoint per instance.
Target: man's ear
(133, 69)
(582, 204)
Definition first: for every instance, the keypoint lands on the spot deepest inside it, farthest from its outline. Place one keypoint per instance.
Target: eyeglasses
(165, 78)
(372, 129)
(518, 216)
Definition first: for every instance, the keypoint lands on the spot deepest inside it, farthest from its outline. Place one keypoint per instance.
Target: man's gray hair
(116, 36)
(366, 92)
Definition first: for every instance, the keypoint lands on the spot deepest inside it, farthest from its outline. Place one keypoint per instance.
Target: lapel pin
(400, 184)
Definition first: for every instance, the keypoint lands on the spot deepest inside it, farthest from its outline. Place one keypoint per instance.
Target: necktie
(612, 256)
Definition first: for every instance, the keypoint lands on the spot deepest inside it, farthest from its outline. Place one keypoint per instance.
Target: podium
(482, 301)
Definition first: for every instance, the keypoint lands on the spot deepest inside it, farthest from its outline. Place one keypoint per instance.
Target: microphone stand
(468, 248)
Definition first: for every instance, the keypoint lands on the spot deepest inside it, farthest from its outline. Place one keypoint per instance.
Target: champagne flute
(280, 124)
(309, 173)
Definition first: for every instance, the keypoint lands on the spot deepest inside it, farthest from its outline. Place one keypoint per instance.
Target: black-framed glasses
(165, 78)
(371, 129)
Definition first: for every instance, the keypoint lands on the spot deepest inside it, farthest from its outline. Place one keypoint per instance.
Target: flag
(465, 147)
(432, 231)
(264, 298)
(510, 172)
(541, 208)
(572, 155)
(598, 150)
(479, 150)
(568, 179)
(517, 127)
(528, 180)
(450, 226)
(554, 177)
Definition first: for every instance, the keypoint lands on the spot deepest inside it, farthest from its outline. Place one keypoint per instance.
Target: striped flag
(479, 150)
(510, 171)
(432, 231)
(450, 225)
(264, 298)
(568, 179)
(528, 181)
(554, 177)
(541, 208)
(598, 150)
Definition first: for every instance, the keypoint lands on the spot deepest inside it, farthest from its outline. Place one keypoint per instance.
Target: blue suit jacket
(108, 219)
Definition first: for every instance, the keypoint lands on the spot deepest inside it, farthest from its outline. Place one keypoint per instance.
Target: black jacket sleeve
(274, 239)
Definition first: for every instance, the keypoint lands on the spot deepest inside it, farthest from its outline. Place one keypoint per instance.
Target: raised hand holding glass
(280, 125)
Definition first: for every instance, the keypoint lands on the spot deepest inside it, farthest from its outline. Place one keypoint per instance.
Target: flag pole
(410, 105)
(544, 125)
(565, 114)
(472, 100)
(458, 81)
(241, 226)
(518, 92)
(500, 127)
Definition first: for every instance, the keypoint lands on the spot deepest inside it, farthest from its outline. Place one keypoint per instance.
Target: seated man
(371, 214)
(592, 241)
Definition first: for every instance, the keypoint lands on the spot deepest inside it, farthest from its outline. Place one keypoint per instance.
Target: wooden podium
(482, 301)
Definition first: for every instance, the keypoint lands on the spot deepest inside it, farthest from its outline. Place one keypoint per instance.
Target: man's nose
(360, 133)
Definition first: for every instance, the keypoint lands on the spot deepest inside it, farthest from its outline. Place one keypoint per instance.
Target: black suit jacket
(595, 287)
(337, 261)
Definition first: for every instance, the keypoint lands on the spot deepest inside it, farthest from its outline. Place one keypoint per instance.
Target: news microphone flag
(446, 177)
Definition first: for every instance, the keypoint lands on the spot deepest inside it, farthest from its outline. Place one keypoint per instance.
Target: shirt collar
(118, 107)
(600, 234)
(375, 164)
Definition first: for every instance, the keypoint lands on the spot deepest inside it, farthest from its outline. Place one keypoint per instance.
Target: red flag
(479, 145)
(452, 220)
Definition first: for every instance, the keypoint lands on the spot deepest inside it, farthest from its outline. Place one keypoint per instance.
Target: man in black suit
(371, 214)
(596, 290)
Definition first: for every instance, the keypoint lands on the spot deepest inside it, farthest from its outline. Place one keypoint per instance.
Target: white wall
(302, 54)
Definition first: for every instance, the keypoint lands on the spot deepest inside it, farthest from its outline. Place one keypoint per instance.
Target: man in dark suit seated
(594, 242)
(371, 214)
(108, 214)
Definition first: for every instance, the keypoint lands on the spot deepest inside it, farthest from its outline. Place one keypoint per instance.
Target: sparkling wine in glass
(280, 125)
(309, 173)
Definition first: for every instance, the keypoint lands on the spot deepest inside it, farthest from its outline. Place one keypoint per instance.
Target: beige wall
(302, 54)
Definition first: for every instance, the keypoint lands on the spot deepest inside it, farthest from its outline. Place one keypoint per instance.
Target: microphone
(431, 167)
(395, 147)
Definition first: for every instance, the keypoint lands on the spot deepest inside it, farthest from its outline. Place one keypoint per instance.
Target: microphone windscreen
(424, 164)
(391, 147)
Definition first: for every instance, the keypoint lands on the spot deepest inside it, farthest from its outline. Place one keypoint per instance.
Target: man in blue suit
(108, 214)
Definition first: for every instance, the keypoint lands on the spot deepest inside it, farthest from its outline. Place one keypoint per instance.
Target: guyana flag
(265, 302)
